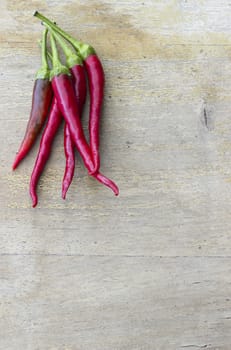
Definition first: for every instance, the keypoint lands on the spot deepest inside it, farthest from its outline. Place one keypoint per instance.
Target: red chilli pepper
(70, 161)
(95, 76)
(80, 91)
(75, 64)
(41, 101)
(85, 51)
(65, 94)
(53, 123)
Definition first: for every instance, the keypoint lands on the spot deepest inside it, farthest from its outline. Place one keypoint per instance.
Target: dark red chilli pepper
(41, 101)
(95, 76)
(53, 123)
(75, 64)
(80, 84)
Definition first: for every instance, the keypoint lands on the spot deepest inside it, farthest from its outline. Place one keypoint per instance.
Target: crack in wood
(195, 346)
(205, 117)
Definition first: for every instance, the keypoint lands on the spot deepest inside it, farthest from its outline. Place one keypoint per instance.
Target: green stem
(58, 67)
(44, 49)
(55, 55)
(71, 57)
(49, 56)
(85, 50)
(44, 71)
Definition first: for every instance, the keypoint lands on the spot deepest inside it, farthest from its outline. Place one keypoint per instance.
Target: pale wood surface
(151, 269)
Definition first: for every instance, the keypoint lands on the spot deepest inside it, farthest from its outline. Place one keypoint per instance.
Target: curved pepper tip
(64, 194)
(15, 163)
(117, 191)
(107, 182)
(34, 198)
(65, 188)
(34, 203)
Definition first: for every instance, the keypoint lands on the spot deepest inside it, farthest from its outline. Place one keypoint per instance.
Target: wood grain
(149, 270)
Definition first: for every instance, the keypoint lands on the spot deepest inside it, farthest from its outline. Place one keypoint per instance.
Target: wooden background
(151, 269)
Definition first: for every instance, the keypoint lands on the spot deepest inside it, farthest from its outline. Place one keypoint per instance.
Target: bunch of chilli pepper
(59, 94)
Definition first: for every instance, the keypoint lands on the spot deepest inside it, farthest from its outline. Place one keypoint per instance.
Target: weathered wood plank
(53, 302)
(151, 268)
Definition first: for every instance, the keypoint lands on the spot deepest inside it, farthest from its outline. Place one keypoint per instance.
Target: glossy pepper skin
(53, 123)
(65, 94)
(80, 84)
(107, 182)
(79, 80)
(41, 101)
(95, 76)
(69, 151)
(67, 104)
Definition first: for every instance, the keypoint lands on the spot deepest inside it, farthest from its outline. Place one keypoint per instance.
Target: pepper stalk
(57, 67)
(84, 50)
(72, 58)
(44, 71)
